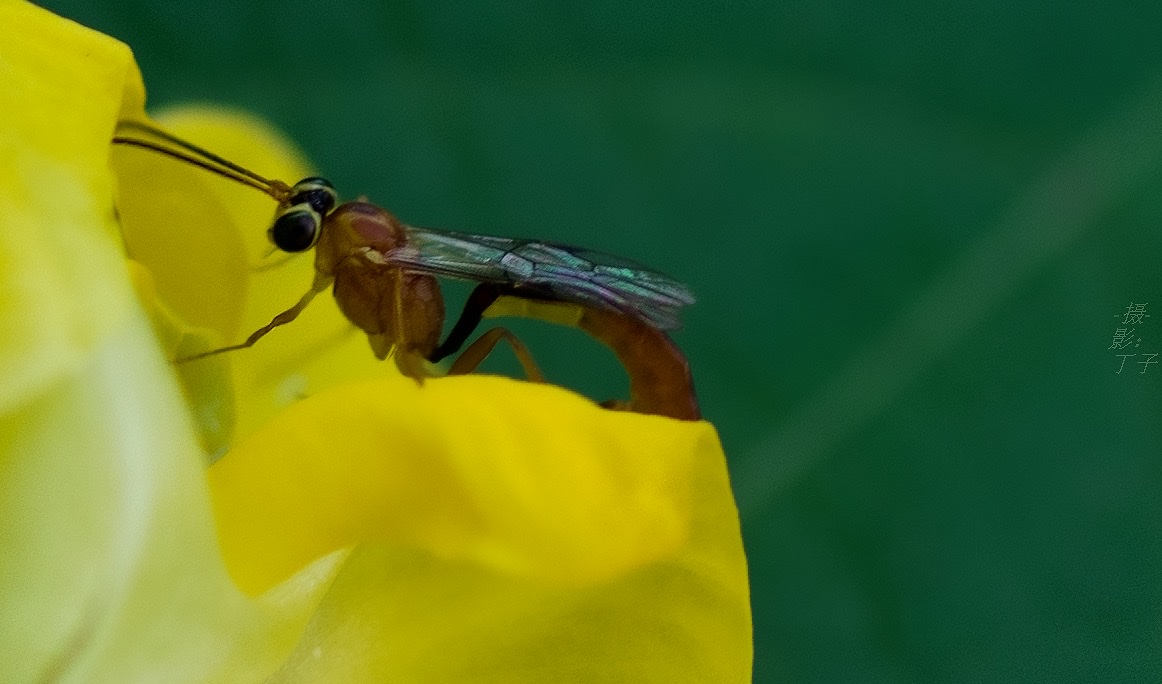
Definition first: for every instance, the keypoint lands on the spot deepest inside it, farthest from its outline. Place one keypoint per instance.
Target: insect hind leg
(482, 297)
(483, 346)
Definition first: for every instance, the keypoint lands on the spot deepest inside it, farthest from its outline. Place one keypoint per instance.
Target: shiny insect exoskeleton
(384, 277)
(297, 226)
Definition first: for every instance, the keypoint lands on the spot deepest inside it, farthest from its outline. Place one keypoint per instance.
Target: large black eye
(317, 192)
(295, 230)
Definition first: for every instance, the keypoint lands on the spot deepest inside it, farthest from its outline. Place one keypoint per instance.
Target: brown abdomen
(659, 375)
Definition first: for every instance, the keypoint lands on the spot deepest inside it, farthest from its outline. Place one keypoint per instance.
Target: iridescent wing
(548, 270)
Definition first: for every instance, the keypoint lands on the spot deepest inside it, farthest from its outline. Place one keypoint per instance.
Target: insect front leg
(283, 318)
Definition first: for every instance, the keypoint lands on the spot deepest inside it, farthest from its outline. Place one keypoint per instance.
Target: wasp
(384, 276)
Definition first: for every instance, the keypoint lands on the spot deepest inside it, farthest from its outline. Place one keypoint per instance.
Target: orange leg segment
(479, 350)
(281, 319)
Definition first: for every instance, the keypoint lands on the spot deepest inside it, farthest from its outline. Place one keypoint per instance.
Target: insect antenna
(200, 157)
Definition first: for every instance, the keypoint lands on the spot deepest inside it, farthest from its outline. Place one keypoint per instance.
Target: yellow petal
(529, 479)
(207, 387)
(111, 569)
(405, 615)
(58, 300)
(524, 535)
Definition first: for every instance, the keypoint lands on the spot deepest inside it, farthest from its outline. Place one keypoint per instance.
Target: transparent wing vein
(549, 270)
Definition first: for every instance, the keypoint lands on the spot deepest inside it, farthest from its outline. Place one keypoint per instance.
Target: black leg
(480, 299)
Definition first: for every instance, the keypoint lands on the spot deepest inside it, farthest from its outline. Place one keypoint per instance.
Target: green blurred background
(913, 228)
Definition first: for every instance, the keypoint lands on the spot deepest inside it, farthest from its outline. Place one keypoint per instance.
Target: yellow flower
(358, 527)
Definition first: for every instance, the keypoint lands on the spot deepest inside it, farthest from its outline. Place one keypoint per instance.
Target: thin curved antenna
(202, 158)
